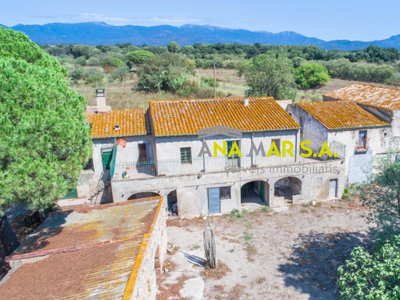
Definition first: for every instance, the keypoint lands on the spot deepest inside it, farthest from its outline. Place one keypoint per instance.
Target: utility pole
(215, 91)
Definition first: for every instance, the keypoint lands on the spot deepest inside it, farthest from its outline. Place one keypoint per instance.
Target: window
(186, 155)
(362, 139)
(319, 181)
(225, 192)
(277, 143)
(142, 152)
(229, 148)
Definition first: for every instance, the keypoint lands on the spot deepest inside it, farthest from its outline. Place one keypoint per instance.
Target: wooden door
(142, 153)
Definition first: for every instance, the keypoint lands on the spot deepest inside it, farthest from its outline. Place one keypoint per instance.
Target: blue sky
(352, 19)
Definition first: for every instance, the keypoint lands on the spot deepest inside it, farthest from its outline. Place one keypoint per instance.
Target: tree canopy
(269, 75)
(140, 56)
(371, 276)
(173, 47)
(44, 140)
(17, 45)
(164, 73)
(310, 75)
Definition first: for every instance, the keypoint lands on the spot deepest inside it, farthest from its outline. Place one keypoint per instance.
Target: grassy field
(125, 94)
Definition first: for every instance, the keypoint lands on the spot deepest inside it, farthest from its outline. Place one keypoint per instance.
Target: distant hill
(98, 33)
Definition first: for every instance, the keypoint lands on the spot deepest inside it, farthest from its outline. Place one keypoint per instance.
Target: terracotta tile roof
(377, 96)
(131, 122)
(187, 117)
(341, 115)
(87, 253)
(89, 116)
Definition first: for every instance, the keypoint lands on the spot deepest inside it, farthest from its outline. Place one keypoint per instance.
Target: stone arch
(255, 192)
(172, 200)
(143, 195)
(288, 189)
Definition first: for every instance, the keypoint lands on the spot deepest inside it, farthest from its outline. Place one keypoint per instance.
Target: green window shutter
(106, 157)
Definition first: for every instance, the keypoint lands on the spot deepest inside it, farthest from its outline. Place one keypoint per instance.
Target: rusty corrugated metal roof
(87, 253)
(377, 96)
(187, 117)
(131, 122)
(341, 115)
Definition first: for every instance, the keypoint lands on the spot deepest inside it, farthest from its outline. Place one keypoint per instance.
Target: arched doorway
(287, 188)
(173, 203)
(143, 195)
(254, 194)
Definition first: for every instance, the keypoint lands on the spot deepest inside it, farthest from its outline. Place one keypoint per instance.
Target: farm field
(125, 95)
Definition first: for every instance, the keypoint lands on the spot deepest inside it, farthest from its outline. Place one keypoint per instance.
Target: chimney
(246, 100)
(101, 100)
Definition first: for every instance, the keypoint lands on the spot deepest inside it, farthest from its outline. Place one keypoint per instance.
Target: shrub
(372, 276)
(310, 75)
(208, 82)
(140, 56)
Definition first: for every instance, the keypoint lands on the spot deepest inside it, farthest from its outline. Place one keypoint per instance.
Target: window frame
(278, 145)
(222, 192)
(365, 146)
(183, 155)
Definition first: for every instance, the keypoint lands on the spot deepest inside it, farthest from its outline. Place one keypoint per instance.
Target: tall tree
(269, 75)
(173, 47)
(17, 45)
(44, 139)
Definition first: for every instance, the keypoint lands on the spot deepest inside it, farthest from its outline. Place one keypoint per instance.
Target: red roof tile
(377, 96)
(341, 114)
(131, 122)
(187, 117)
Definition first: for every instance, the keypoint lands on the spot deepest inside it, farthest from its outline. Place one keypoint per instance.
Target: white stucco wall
(312, 131)
(168, 152)
(192, 190)
(379, 140)
(127, 154)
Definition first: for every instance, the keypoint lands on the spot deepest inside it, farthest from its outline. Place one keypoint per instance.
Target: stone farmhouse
(168, 150)
(359, 122)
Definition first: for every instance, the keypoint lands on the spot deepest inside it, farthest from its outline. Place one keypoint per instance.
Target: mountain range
(99, 33)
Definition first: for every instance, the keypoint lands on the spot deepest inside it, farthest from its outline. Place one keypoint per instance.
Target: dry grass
(125, 94)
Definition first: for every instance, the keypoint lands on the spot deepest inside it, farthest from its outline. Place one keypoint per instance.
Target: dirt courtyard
(290, 254)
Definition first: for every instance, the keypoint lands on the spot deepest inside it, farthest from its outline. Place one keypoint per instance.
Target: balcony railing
(137, 170)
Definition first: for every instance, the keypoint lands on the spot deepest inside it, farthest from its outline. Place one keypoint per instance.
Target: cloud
(120, 20)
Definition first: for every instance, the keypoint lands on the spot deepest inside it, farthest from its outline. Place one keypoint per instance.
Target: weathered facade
(165, 155)
(353, 133)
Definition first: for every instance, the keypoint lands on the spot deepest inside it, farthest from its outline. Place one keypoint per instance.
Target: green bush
(76, 74)
(93, 75)
(372, 276)
(139, 56)
(208, 81)
(164, 73)
(342, 68)
(310, 75)
(81, 61)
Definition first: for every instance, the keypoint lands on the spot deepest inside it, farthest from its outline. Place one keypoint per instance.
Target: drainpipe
(295, 153)
(252, 142)
(204, 157)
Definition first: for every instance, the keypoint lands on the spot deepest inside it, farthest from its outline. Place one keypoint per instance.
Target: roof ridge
(212, 99)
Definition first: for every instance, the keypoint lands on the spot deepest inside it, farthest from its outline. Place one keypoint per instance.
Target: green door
(71, 194)
(106, 156)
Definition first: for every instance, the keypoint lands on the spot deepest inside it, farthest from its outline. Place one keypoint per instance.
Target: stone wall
(192, 197)
(142, 282)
